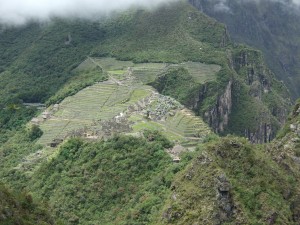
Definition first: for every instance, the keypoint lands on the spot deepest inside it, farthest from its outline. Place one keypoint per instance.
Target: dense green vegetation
(258, 83)
(12, 118)
(38, 61)
(168, 84)
(121, 181)
(128, 180)
(256, 98)
(232, 182)
(21, 209)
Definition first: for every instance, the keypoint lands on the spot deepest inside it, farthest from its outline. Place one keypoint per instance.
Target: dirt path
(110, 76)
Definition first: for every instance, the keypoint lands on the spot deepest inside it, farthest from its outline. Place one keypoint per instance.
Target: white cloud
(223, 6)
(18, 12)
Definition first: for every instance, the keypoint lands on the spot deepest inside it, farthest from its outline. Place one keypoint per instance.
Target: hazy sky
(221, 5)
(20, 11)
(16, 12)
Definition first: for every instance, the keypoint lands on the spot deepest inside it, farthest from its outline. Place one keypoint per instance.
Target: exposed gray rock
(293, 127)
(218, 116)
(164, 106)
(272, 218)
(204, 159)
(224, 200)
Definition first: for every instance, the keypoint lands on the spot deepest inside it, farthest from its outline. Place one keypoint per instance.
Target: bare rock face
(263, 134)
(295, 207)
(252, 84)
(218, 116)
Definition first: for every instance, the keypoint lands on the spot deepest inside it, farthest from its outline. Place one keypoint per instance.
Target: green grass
(148, 72)
(142, 124)
(105, 100)
(188, 125)
(202, 73)
(110, 64)
(184, 127)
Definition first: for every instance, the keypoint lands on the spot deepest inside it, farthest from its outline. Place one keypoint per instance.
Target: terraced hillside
(122, 104)
(147, 72)
(104, 108)
(95, 103)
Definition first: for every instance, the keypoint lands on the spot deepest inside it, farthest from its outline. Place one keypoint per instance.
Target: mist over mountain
(18, 12)
(224, 5)
(272, 26)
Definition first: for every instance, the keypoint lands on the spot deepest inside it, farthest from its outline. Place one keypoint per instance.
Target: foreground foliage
(21, 209)
(233, 182)
(121, 181)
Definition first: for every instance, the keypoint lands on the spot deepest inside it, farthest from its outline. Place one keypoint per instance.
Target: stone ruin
(46, 115)
(35, 121)
(119, 124)
(164, 106)
(55, 142)
(175, 152)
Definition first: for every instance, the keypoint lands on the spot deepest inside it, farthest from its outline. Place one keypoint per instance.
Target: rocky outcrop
(285, 151)
(264, 89)
(257, 105)
(245, 99)
(224, 200)
(225, 38)
(249, 64)
(263, 134)
(218, 116)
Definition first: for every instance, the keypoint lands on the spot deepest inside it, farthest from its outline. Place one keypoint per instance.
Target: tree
(35, 132)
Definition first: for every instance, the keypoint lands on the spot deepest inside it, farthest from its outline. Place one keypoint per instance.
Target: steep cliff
(245, 99)
(218, 115)
(261, 100)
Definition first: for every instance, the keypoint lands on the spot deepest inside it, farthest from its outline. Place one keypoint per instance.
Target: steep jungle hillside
(38, 60)
(272, 26)
(120, 181)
